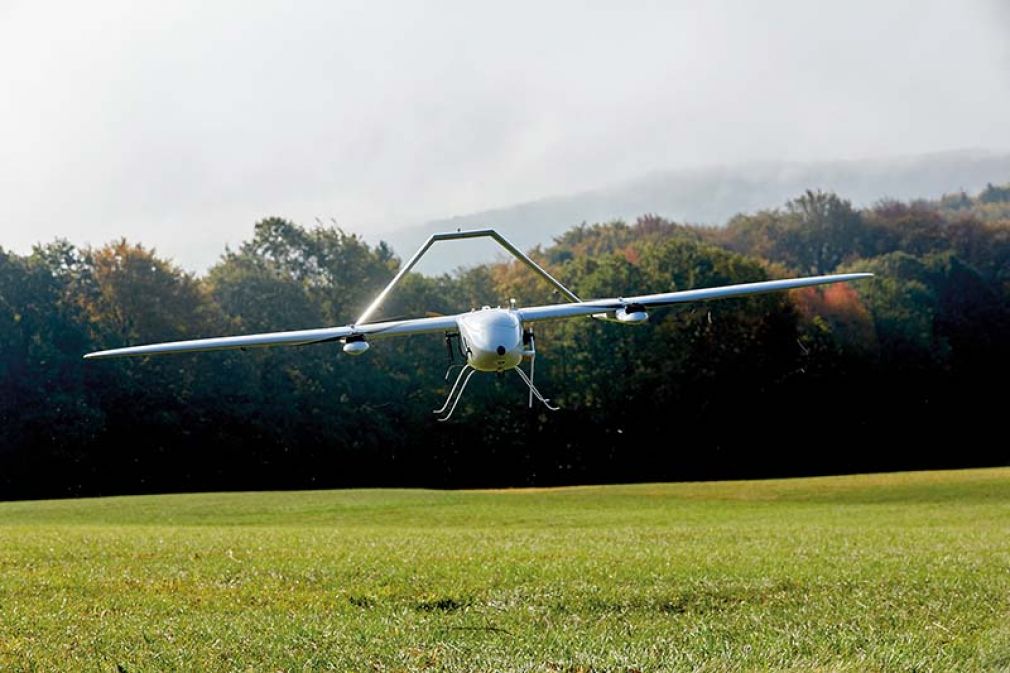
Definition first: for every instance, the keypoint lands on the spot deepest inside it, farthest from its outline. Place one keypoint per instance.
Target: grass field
(894, 572)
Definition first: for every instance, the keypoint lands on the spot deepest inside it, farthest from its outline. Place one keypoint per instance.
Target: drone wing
(556, 311)
(448, 323)
(295, 338)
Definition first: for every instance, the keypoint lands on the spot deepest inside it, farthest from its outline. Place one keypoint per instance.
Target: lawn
(893, 572)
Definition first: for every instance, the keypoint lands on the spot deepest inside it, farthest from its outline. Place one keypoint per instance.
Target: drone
(494, 340)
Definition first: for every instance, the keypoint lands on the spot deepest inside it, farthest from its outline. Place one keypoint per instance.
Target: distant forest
(904, 371)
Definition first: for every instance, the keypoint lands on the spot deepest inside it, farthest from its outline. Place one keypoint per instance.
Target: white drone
(490, 339)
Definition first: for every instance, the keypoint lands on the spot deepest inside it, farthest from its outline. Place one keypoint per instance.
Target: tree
(995, 194)
(829, 231)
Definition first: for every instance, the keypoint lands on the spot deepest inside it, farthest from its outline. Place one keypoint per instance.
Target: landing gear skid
(449, 370)
(454, 396)
(531, 351)
(534, 392)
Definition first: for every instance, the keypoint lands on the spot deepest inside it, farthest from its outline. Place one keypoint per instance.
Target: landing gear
(469, 372)
(531, 351)
(534, 392)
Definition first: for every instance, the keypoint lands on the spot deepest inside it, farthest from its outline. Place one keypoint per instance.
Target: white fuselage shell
(492, 339)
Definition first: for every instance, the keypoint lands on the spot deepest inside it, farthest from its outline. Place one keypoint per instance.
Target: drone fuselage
(491, 338)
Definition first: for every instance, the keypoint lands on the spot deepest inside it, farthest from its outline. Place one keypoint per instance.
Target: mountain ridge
(706, 195)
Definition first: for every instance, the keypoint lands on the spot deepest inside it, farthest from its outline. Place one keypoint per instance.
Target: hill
(708, 196)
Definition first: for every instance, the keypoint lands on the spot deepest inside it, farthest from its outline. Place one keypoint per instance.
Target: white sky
(180, 123)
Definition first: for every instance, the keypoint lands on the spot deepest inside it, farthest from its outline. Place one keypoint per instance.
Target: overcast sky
(180, 123)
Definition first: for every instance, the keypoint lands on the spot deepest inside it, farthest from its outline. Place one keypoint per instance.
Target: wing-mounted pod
(355, 344)
(629, 314)
(457, 235)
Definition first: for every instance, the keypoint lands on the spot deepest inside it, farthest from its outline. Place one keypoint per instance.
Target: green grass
(895, 572)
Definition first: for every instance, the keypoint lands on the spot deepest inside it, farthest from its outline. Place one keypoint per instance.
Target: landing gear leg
(454, 396)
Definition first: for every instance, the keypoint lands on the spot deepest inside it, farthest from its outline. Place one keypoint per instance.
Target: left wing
(555, 311)
(295, 338)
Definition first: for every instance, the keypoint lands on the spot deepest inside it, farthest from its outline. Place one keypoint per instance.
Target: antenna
(456, 235)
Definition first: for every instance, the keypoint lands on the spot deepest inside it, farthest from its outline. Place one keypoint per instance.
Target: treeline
(904, 371)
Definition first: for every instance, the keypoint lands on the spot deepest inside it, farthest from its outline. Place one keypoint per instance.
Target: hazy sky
(181, 123)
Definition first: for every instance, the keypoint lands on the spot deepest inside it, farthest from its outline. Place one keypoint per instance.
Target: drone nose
(501, 350)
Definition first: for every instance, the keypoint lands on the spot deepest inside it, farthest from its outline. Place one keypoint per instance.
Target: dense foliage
(902, 371)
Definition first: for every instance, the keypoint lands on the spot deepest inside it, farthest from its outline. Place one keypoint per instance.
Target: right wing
(295, 338)
(555, 311)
